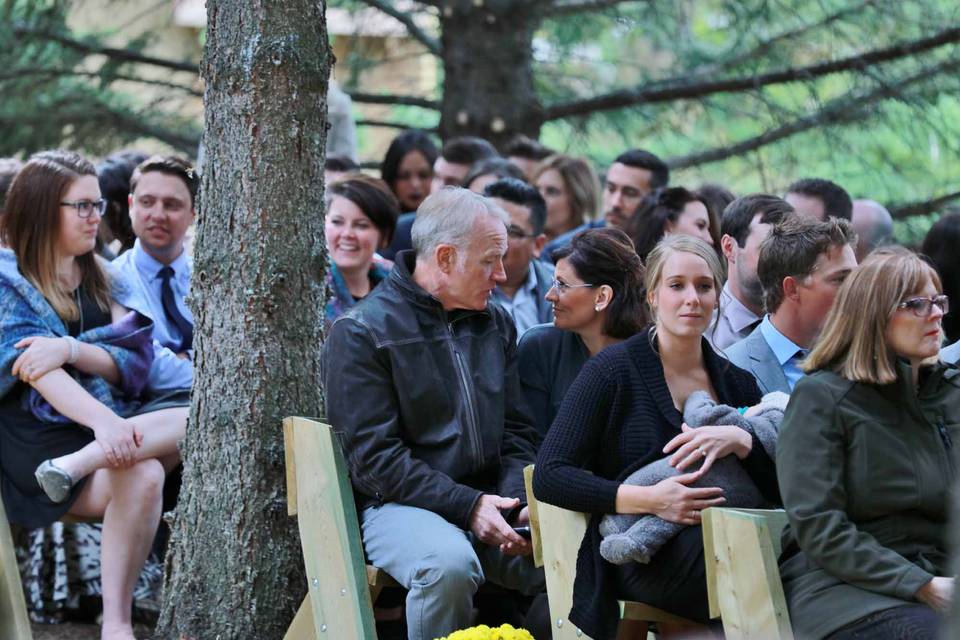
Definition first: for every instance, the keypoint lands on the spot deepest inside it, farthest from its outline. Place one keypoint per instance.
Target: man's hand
(488, 525)
(938, 593)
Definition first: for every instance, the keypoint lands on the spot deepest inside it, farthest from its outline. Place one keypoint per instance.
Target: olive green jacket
(864, 472)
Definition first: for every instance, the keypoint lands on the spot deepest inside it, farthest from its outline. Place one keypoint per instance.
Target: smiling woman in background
(361, 218)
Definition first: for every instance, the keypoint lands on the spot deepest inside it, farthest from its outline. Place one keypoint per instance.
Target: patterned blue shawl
(24, 312)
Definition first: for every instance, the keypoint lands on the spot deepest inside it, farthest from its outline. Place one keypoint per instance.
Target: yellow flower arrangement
(483, 632)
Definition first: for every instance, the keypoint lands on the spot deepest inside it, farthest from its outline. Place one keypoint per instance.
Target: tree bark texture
(235, 568)
(488, 86)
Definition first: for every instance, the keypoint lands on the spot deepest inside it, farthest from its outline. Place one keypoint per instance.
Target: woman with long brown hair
(75, 434)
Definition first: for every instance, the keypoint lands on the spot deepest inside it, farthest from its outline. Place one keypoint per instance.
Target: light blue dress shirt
(523, 307)
(140, 271)
(786, 352)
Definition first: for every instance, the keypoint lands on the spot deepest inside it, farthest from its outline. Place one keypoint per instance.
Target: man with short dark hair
(873, 224)
(163, 192)
(746, 223)
(456, 158)
(802, 264)
(528, 279)
(526, 154)
(633, 175)
(820, 199)
(423, 391)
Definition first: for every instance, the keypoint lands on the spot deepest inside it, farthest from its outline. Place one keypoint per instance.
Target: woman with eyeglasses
(597, 297)
(75, 434)
(622, 412)
(865, 461)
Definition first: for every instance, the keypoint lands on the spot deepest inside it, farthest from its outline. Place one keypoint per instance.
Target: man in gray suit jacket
(951, 353)
(802, 264)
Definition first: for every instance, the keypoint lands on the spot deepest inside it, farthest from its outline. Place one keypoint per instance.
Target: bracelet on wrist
(74, 349)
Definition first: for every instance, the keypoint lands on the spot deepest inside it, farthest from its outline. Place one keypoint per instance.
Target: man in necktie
(802, 264)
(163, 192)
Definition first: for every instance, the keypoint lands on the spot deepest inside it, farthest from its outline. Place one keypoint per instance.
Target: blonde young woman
(865, 463)
(623, 412)
(75, 437)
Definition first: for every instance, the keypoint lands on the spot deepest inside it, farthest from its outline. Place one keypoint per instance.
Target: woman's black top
(549, 361)
(25, 442)
(616, 417)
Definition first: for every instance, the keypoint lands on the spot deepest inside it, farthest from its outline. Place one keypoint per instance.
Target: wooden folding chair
(14, 621)
(556, 537)
(741, 547)
(341, 586)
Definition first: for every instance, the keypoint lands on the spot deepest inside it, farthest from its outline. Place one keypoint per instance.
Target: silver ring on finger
(702, 451)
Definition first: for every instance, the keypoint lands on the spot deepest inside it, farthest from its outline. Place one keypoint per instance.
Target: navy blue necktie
(184, 326)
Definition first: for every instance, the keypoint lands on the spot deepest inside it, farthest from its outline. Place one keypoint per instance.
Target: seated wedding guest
(407, 167)
(336, 167)
(864, 462)
(669, 211)
(163, 193)
(114, 177)
(422, 389)
(623, 412)
(527, 153)
(486, 172)
(361, 217)
(716, 197)
(528, 279)
(941, 246)
(819, 199)
(803, 263)
(75, 437)
(597, 297)
(572, 191)
(873, 224)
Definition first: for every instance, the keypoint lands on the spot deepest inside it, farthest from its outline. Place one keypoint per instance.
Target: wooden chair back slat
(329, 532)
(741, 547)
(14, 622)
(534, 510)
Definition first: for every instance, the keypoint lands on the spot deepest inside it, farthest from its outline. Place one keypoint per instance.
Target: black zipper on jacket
(472, 428)
(945, 435)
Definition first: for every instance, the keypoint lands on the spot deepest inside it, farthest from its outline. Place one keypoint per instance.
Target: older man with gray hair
(422, 388)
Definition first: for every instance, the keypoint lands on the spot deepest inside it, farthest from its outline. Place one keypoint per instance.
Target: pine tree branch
(841, 110)
(123, 55)
(683, 89)
(40, 72)
(389, 124)
(923, 207)
(387, 98)
(404, 18)
(561, 8)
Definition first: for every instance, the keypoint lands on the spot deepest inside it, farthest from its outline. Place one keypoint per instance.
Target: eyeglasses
(563, 287)
(85, 208)
(922, 307)
(513, 231)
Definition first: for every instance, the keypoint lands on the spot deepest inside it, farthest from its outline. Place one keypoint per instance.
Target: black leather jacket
(427, 403)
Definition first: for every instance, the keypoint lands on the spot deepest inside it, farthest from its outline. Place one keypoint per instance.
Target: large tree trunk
(488, 88)
(235, 569)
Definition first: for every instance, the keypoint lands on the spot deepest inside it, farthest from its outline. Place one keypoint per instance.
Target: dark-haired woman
(75, 437)
(673, 210)
(407, 168)
(113, 175)
(361, 218)
(624, 411)
(940, 245)
(597, 298)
